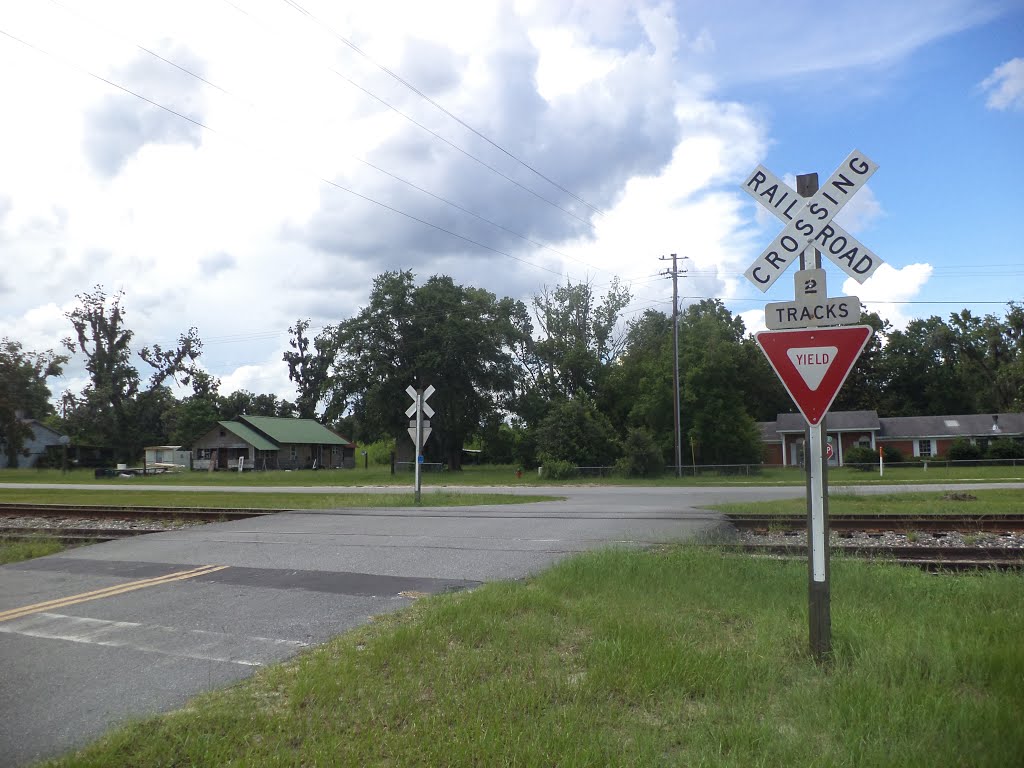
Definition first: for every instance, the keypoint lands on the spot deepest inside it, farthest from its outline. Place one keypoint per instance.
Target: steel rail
(969, 523)
(932, 558)
(127, 512)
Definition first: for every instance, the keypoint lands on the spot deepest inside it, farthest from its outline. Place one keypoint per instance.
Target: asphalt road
(127, 628)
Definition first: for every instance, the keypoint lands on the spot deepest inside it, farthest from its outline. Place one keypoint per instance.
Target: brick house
(913, 436)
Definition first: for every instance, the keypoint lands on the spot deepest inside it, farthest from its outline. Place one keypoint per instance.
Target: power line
(431, 101)
(438, 136)
(375, 167)
(322, 179)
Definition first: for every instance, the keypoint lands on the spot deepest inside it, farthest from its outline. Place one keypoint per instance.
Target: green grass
(16, 550)
(506, 476)
(682, 656)
(268, 500)
(990, 501)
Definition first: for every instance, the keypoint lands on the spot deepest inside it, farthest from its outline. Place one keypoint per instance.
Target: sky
(237, 165)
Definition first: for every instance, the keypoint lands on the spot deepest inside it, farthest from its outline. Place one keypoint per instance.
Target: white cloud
(1005, 86)
(861, 212)
(753, 320)
(236, 232)
(270, 377)
(884, 291)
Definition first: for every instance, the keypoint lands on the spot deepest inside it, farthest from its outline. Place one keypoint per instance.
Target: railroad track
(73, 523)
(962, 523)
(124, 513)
(75, 535)
(927, 557)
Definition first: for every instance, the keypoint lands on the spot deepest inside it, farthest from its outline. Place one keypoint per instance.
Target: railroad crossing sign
(814, 363)
(419, 403)
(419, 428)
(809, 220)
(415, 395)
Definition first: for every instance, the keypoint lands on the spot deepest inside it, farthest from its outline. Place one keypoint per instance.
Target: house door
(796, 454)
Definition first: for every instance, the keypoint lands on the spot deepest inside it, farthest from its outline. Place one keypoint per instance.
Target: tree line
(564, 380)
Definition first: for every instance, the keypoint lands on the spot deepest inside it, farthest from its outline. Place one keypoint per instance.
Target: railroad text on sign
(811, 221)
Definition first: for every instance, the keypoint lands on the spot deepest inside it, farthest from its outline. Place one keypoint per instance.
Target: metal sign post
(809, 354)
(819, 613)
(419, 428)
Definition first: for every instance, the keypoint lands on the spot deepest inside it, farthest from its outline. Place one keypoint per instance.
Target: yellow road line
(63, 602)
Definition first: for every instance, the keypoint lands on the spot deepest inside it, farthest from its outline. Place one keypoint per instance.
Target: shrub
(963, 450)
(576, 431)
(555, 469)
(378, 452)
(641, 456)
(892, 455)
(1004, 448)
(860, 457)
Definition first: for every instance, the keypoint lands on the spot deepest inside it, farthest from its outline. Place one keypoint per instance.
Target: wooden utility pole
(677, 421)
(819, 599)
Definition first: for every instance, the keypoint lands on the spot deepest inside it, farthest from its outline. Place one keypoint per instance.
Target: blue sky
(298, 168)
(949, 182)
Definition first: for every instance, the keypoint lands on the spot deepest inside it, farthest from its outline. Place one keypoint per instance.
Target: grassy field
(16, 550)
(989, 501)
(506, 476)
(681, 656)
(269, 500)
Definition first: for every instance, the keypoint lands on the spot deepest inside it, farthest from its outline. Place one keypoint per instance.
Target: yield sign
(814, 363)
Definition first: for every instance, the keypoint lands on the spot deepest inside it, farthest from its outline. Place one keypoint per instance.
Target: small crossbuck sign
(813, 364)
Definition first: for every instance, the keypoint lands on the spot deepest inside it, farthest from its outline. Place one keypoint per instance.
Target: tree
(109, 411)
(726, 381)
(101, 336)
(865, 385)
(579, 338)
(638, 390)
(640, 455)
(242, 402)
(185, 421)
(920, 372)
(715, 371)
(309, 368)
(23, 392)
(453, 337)
(991, 356)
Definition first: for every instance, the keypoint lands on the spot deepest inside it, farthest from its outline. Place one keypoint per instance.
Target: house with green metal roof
(271, 442)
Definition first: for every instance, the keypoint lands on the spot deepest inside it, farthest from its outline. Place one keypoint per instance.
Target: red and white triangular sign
(814, 363)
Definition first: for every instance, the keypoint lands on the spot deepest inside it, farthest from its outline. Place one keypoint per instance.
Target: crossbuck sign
(809, 220)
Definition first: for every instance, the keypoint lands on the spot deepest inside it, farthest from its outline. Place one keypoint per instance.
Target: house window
(294, 452)
(924, 448)
(203, 453)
